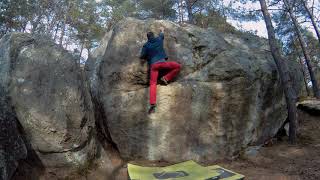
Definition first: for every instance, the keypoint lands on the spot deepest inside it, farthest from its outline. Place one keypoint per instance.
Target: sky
(260, 25)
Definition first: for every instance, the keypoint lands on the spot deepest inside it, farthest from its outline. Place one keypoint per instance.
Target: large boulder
(227, 96)
(12, 146)
(50, 98)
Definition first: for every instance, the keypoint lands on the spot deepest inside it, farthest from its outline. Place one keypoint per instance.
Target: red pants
(173, 69)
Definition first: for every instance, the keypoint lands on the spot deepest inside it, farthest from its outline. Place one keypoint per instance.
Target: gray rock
(93, 62)
(227, 96)
(12, 146)
(286, 128)
(50, 98)
(312, 106)
(252, 151)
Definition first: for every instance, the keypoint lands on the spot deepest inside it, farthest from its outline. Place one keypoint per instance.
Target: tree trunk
(51, 24)
(303, 45)
(180, 10)
(63, 30)
(304, 2)
(189, 10)
(304, 75)
(35, 24)
(56, 32)
(81, 50)
(182, 15)
(6, 30)
(24, 26)
(283, 70)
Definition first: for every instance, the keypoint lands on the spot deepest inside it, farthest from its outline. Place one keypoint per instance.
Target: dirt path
(281, 161)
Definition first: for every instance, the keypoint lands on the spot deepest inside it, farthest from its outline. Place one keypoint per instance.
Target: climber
(155, 54)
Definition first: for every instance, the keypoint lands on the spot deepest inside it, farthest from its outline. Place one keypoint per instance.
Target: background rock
(12, 146)
(227, 96)
(50, 98)
(311, 106)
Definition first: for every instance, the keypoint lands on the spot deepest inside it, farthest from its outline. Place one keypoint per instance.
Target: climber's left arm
(143, 54)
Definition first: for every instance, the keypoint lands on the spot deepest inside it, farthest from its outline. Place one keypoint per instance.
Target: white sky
(260, 25)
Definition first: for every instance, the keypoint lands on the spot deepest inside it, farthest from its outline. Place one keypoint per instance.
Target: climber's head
(150, 35)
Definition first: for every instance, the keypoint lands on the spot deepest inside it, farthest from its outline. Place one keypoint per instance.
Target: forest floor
(277, 160)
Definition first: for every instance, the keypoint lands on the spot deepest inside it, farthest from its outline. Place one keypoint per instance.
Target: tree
(159, 9)
(190, 4)
(304, 49)
(304, 75)
(283, 70)
(311, 16)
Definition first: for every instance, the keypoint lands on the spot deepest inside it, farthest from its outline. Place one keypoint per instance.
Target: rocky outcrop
(12, 146)
(227, 96)
(311, 106)
(50, 98)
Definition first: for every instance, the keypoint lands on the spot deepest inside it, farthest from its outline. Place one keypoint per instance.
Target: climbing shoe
(164, 81)
(152, 109)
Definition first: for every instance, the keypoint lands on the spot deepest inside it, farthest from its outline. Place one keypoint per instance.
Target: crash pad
(183, 171)
(225, 174)
(188, 170)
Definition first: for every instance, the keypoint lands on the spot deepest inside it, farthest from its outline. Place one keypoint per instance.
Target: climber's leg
(153, 83)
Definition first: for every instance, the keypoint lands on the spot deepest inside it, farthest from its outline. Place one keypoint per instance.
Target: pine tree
(304, 49)
(283, 70)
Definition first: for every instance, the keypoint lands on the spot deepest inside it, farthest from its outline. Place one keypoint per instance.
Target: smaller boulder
(12, 146)
(50, 97)
(310, 106)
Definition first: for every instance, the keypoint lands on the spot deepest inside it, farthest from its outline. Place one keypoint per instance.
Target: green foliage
(160, 9)
(83, 22)
(214, 20)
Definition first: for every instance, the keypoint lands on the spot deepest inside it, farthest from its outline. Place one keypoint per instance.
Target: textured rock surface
(12, 147)
(50, 98)
(227, 95)
(312, 106)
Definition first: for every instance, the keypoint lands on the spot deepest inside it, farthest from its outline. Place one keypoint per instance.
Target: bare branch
(275, 3)
(194, 2)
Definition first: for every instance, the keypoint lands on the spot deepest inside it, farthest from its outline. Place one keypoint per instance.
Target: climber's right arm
(161, 34)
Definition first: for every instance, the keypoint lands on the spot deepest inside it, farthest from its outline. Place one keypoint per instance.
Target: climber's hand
(161, 29)
(142, 62)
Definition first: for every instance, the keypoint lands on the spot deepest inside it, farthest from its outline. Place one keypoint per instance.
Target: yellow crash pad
(183, 171)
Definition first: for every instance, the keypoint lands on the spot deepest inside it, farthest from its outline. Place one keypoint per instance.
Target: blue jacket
(153, 50)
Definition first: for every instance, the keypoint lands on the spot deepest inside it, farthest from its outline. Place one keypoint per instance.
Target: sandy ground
(279, 160)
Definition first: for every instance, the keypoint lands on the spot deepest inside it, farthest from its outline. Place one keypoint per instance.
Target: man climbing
(155, 54)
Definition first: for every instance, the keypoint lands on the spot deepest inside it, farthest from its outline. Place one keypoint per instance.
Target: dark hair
(150, 35)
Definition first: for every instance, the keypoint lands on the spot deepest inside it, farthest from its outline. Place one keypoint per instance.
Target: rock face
(50, 98)
(12, 146)
(227, 96)
(312, 106)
